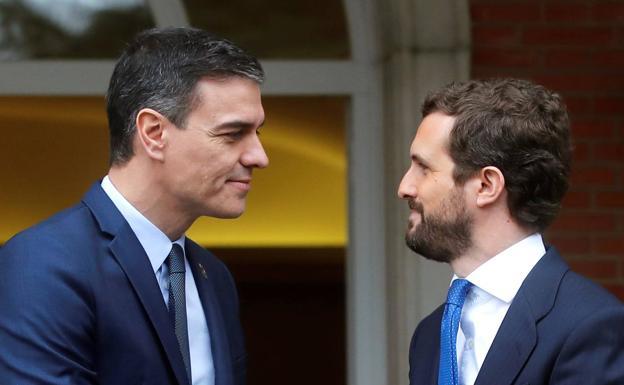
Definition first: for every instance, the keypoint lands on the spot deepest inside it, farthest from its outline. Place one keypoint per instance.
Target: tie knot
(458, 291)
(176, 259)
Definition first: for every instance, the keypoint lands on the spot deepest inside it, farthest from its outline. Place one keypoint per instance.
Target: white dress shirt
(496, 283)
(157, 247)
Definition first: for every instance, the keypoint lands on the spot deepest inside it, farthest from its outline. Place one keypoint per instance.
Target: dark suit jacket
(560, 329)
(79, 304)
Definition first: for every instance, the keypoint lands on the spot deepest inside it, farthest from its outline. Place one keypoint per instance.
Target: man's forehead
(233, 101)
(217, 89)
(239, 123)
(433, 135)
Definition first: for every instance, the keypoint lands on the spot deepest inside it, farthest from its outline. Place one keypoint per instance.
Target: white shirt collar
(502, 275)
(155, 243)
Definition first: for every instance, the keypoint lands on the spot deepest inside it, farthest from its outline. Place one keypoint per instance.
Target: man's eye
(422, 168)
(234, 134)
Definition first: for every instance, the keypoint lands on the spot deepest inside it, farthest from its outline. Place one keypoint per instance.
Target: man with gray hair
(111, 291)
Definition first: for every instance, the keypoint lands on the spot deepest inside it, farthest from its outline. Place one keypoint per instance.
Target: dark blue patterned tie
(177, 303)
(448, 373)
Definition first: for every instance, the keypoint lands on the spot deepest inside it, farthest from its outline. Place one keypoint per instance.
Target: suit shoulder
(578, 300)
(584, 294)
(591, 350)
(60, 227)
(59, 243)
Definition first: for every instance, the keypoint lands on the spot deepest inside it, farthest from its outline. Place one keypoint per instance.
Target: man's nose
(407, 187)
(255, 156)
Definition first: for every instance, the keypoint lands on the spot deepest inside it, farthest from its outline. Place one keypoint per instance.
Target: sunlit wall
(54, 148)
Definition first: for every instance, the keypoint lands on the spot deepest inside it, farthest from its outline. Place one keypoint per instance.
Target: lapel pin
(202, 271)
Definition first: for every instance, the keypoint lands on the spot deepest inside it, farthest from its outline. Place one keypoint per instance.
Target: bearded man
(489, 168)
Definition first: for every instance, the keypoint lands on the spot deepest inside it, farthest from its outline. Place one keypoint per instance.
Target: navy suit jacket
(79, 304)
(560, 329)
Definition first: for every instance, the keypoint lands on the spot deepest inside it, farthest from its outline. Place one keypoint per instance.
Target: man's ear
(492, 186)
(150, 132)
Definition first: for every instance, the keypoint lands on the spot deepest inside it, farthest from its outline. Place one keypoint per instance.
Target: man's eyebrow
(419, 159)
(240, 124)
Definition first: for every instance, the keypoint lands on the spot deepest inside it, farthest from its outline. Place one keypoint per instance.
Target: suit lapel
(517, 335)
(436, 363)
(129, 253)
(219, 343)
(424, 354)
(435, 367)
(133, 260)
(511, 347)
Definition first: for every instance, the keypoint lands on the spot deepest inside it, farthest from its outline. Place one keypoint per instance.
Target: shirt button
(471, 344)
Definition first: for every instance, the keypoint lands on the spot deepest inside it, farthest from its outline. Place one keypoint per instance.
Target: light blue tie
(448, 373)
(177, 303)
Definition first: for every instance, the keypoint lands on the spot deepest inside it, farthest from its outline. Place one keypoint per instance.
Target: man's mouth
(416, 214)
(240, 183)
(415, 206)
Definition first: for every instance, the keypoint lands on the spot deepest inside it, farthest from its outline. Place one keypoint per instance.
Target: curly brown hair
(517, 126)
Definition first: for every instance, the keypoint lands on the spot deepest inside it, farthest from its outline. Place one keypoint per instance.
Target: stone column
(426, 44)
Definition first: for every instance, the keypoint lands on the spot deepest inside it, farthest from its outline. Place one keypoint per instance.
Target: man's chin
(232, 212)
(425, 249)
(411, 230)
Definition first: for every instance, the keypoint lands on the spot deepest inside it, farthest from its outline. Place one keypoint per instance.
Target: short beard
(438, 237)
